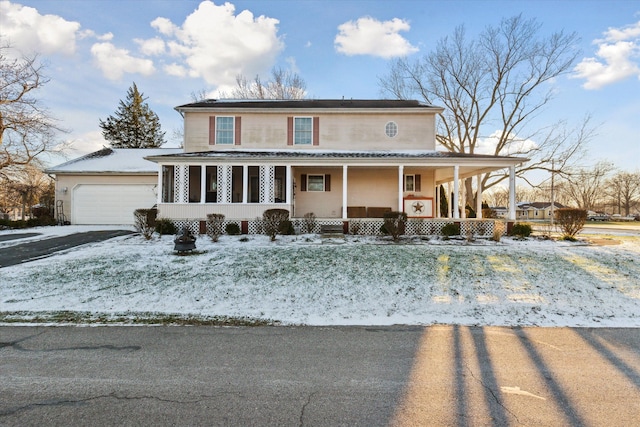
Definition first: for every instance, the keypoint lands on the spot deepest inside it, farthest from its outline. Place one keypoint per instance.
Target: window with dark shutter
(327, 182)
(416, 182)
(290, 132)
(303, 182)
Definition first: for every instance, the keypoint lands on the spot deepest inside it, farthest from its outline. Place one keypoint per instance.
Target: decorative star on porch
(418, 207)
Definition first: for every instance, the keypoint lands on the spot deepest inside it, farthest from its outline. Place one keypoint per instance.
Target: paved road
(320, 376)
(29, 251)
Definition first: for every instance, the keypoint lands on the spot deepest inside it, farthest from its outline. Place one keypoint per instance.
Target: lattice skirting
(413, 227)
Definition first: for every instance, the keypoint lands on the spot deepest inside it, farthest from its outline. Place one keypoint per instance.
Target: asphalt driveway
(30, 251)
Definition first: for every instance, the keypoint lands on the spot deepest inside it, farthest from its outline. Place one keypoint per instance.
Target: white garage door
(110, 204)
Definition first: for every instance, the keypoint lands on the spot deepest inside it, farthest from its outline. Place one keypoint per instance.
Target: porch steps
(330, 231)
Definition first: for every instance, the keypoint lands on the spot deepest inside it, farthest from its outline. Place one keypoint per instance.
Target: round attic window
(391, 129)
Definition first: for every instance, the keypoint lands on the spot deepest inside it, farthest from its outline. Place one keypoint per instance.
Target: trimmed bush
(165, 226)
(571, 221)
(309, 222)
(449, 230)
(215, 223)
(521, 229)
(232, 229)
(394, 223)
(273, 222)
(142, 223)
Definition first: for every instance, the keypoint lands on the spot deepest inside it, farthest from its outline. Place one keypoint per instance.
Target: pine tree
(134, 124)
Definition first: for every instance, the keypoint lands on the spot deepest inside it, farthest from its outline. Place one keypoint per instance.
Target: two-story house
(341, 160)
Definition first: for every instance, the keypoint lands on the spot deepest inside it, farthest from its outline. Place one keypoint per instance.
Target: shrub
(287, 228)
(394, 223)
(215, 223)
(232, 229)
(141, 222)
(272, 221)
(571, 221)
(521, 229)
(449, 230)
(165, 226)
(309, 222)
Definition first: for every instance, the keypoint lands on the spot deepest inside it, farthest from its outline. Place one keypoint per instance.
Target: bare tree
(492, 87)
(284, 84)
(27, 129)
(586, 187)
(24, 187)
(624, 191)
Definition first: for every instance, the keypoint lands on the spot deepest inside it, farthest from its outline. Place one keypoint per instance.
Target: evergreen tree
(134, 124)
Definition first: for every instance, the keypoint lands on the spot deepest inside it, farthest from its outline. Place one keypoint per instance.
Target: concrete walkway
(25, 252)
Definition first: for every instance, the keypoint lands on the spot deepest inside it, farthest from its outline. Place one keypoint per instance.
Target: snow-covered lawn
(308, 280)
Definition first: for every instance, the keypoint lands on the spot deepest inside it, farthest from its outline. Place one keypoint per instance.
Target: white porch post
(512, 192)
(245, 183)
(479, 197)
(401, 187)
(463, 196)
(160, 189)
(344, 191)
(456, 190)
(289, 190)
(182, 179)
(203, 183)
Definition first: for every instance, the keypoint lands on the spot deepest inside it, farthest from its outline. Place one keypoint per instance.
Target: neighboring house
(536, 210)
(338, 159)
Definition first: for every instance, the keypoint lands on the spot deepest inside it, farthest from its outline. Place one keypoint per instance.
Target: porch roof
(442, 161)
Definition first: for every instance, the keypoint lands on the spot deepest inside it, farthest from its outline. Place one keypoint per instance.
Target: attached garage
(110, 203)
(106, 186)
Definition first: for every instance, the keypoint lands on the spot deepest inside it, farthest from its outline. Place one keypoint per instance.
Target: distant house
(529, 211)
(536, 210)
(338, 159)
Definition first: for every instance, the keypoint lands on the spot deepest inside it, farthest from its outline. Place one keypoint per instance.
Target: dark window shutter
(316, 131)
(416, 183)
(303, 182)
(212, 130)
(290, 132)
(238, 130)
(327, 182)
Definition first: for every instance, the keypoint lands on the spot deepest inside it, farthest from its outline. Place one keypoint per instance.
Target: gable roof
(114, 160)
(306, 104)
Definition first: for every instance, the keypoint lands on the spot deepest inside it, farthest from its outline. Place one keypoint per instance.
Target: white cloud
(516, 146)
(617, 58)
(87, 142)
(151, 47)
(368, 36)
(175, 70)
(216, 44)
(26, 29)
(115, 62)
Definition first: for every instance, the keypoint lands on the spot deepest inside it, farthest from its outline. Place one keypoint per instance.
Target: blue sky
(170, 48)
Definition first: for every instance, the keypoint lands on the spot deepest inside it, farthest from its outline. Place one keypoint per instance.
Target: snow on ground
(356, 281)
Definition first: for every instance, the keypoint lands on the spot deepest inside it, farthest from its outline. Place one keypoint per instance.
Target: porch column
(479, 197)
(456, 190)
(401, 187)
(245, 184)
(203, 183)
(344, 191)
(463, 196)
(160, 189)
(512, 192)
(289, 190)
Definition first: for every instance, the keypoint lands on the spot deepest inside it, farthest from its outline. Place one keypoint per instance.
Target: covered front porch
(343, 187)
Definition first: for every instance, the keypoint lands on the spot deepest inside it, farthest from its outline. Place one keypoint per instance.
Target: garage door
(110, 204)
